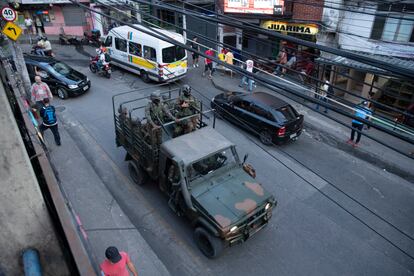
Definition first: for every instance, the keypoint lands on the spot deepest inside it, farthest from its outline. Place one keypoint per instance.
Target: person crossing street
(362, 111)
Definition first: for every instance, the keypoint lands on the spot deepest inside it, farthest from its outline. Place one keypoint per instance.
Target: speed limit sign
(8, 14)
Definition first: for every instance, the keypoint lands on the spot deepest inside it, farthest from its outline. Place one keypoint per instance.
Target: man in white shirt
(47, 47)
(28, 22)
(246, 80)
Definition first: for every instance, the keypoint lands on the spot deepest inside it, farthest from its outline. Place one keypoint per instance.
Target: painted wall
(59, 22)
(354, 31)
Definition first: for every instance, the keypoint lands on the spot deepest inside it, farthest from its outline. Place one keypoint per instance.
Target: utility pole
(21, 66)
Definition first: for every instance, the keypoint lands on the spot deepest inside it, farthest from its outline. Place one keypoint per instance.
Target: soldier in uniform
(156, 112)
(194, 104)
(186, 96)
(186, 125)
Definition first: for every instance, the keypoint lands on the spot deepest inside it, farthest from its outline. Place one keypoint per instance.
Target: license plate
(293, 135)
(85, 87)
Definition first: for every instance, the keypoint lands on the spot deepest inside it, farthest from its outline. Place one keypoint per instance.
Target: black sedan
(61, 78)
(271, 118)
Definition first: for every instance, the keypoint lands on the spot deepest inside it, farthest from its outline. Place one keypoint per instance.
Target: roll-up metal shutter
(74, 16)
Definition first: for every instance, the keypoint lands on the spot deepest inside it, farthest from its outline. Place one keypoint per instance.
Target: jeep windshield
(216, 161)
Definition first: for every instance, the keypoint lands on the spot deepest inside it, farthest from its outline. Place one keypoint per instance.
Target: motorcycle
(66, 40)
(104, 70)
(94, 38)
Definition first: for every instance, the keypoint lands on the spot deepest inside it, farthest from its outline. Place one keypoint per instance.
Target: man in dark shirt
(48, 114)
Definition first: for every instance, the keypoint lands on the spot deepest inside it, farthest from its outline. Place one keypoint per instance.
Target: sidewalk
(336, 135)
(100, 216)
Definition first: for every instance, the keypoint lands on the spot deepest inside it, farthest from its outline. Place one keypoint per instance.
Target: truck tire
(208, 244)
(137, 174)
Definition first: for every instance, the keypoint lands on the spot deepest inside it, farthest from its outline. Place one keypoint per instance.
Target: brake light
(281, 131)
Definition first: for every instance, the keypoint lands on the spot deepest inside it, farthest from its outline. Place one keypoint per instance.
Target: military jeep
(200, 172)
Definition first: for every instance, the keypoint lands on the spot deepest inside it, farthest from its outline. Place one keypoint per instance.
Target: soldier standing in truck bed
(186, 96)
(155, 112)
(186, 125)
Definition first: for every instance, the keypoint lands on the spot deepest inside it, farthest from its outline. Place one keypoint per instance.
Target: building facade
(283, 16)
(384, 31)
(51, 17)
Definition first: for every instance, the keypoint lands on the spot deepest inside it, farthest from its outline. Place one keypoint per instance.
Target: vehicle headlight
(267, 206)
(73, 86)
(87, 79)
(233, 229)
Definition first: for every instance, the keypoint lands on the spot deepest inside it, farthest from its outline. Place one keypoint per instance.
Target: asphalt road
(337, 215)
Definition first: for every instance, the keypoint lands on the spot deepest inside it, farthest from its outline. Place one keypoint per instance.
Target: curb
(338, 142)
(150, 264)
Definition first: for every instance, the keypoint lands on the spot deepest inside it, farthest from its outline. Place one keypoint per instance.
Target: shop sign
(310, 29)
(273, 7)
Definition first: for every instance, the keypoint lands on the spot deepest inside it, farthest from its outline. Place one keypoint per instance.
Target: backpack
(107, 57)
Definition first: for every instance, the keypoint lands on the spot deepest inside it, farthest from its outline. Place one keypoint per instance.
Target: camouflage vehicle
(202, 175)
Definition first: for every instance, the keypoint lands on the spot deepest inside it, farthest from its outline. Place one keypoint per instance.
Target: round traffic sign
(8, 14)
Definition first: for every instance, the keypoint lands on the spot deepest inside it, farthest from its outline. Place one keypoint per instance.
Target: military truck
(200, 172)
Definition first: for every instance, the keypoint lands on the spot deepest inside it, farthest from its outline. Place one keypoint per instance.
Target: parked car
(271, 118)
(63, 80)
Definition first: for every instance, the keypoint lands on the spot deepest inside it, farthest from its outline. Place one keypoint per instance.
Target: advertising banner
(270, 7)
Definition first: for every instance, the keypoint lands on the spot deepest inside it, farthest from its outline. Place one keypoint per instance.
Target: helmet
(98, 51)
(155, 96)
(186, 89)
(44, 38)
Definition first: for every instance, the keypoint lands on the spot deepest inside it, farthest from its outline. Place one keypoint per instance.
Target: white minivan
(148, 56)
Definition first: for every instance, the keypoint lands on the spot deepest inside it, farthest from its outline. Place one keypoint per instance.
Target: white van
(143, 54)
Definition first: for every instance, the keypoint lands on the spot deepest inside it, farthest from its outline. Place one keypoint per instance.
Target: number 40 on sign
(8, 14)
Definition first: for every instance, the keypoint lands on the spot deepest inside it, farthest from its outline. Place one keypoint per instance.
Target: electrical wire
(316, 87)
(327, 196)
(397, 69)
(336, 87)
(315, 187)
(266, 82)
(347, 10)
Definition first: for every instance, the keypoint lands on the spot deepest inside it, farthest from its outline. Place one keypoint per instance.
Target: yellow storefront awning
(280, 26)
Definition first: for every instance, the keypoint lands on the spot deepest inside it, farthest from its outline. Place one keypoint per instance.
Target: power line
(337, 203)
(265, 81)
(290, 69)
(397, 69)
(347, 10)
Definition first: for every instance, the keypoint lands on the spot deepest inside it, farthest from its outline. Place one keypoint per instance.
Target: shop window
(150, 53)
(120, 44)
(135, 49)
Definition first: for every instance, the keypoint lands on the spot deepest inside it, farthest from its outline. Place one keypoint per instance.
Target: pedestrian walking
(49, 120)
(194, 45)
(229, 60)
(117, 263)
(28, 22)
(246, 80)
(39, 26)
(323, 94)
(282, 60)
(40, 91)
(361, 111)
(208, 63)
